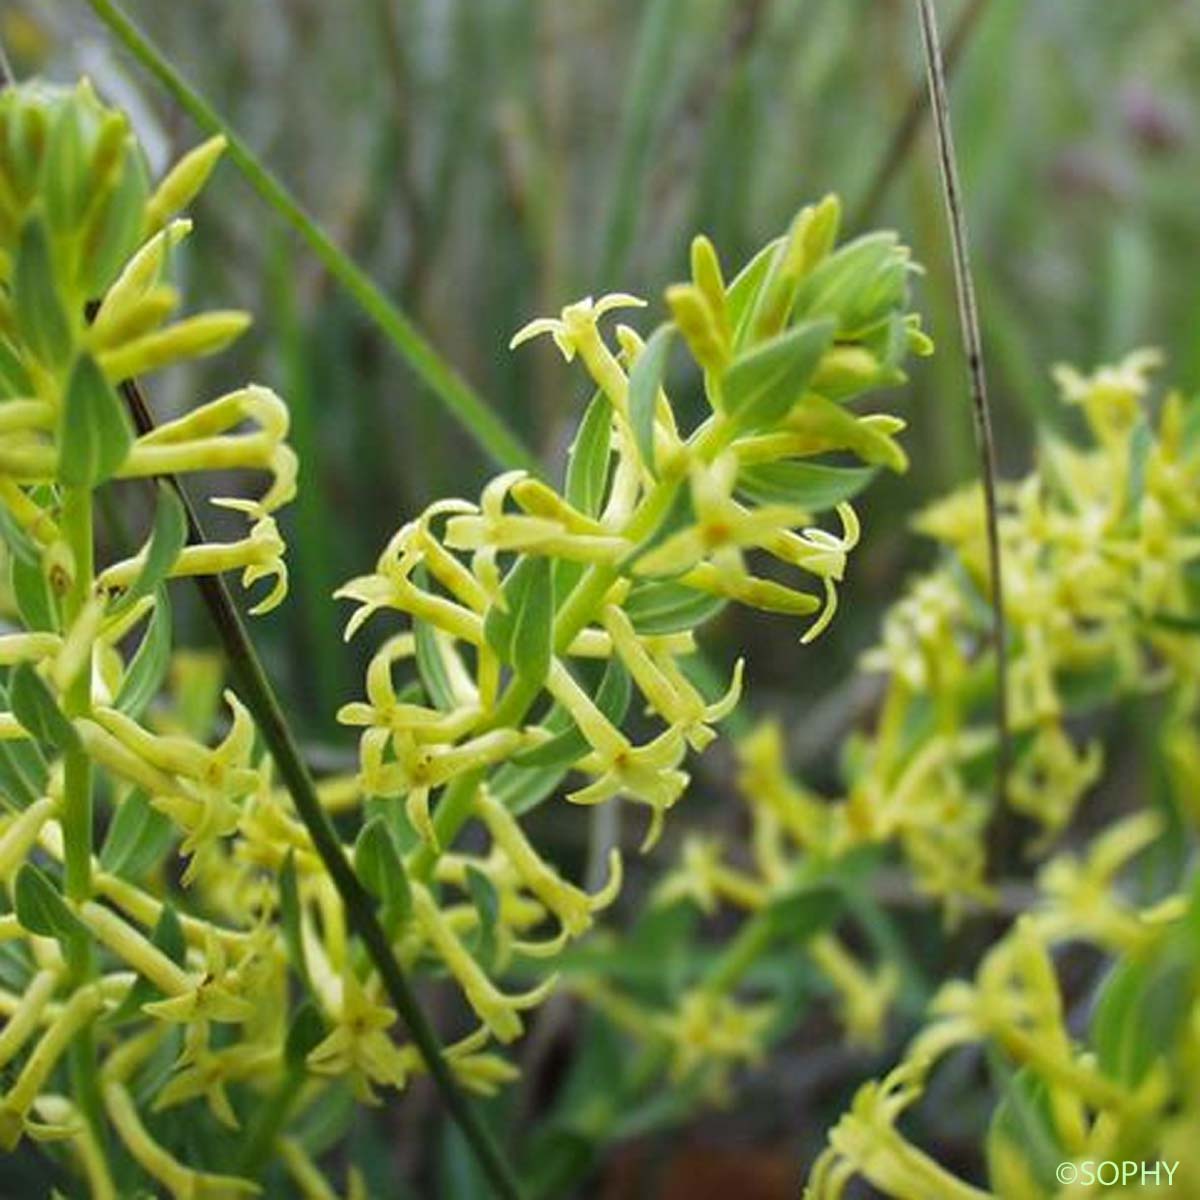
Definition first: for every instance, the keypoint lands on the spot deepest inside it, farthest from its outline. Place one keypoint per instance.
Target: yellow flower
(359, 1044)
(499, 1012)
(866, 1141)
(664, 685)
(713, 1030)
(571, 905)
(723, 527)
(218, 993)
(205, 1072)
(575, 326)
(494, 529)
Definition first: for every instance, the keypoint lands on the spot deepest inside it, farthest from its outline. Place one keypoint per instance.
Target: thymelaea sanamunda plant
(130, 995)
(1100, 544)
(515, 602)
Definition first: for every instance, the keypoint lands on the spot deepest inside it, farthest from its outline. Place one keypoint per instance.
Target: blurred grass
(491, 159)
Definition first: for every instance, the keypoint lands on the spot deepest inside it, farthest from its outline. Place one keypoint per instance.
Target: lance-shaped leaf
(167, 538)
(145, 674)
(41, 909)
(38, 308)
(35, 707)
(763, 384)
(378, 864)
(587, 470)
(657, 607)
(645, 380)
(522, 631)
(304, 1034)
(137, 838)
(813, 486)
(95, 435)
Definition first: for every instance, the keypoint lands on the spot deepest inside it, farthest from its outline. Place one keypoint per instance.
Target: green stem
(77, 702)
(459, 398)
(252, 685)
(77, 529)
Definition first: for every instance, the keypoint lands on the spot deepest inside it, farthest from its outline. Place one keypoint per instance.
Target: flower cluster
(101, 968)
(1098, 547)
(192, 972)
(1121, 1091)
(534, 614)
(1097, 544)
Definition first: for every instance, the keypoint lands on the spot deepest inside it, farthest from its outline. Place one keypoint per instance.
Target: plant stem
(77, 701)
(252, 685)
(77, 529)
(968, 314)
(489, 430)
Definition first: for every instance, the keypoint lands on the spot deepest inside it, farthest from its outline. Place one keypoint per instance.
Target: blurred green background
(491, 160)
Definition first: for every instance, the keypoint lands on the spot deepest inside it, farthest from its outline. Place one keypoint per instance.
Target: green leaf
(148, 668)
(588, 463)
(137, 838)
(1140, 1013)
(487, 905)
(810, 485)
(19, 543)
(378, 864)
(67, 180)
(522, 633)
(23, 771)
(290, 917)
(305, 1033)
(35, 707)
(95, 435)
(645, 380)
(1022, 1126)
(1141, 441)
(14, 379)
(612, 698)
(167, 539)
(41, 909)
(797, 915)
(1175, 622)
(742, 294)
(113, 233)
(763, 384)
(857, 285)
(167, 936)
(40, 313)
(31, 590)
(431, 666)
(523, 788)
(666, 607)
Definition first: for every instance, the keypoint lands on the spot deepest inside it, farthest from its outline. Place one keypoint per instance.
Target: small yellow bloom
(359, 1045)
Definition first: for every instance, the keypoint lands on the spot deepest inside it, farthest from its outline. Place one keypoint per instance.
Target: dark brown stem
(968, 316)
(256, 692)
